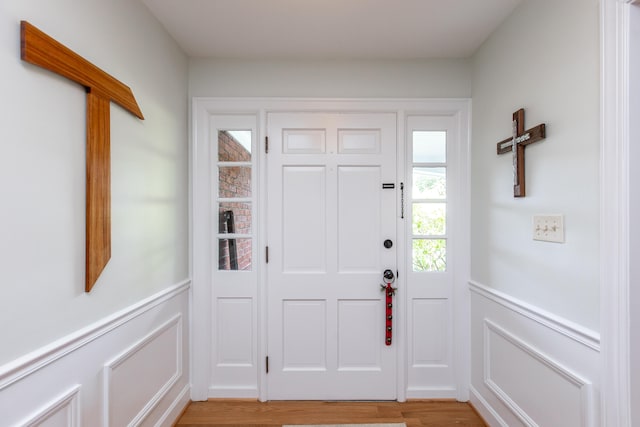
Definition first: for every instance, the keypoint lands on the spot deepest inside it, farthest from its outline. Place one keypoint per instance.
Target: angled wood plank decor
(39, 49)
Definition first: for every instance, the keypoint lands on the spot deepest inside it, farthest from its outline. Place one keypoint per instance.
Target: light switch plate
(548, 228)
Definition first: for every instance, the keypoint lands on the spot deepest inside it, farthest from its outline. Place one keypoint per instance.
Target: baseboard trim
(487, 413)
(563, 326)
(431, 393)
(233, 392)
(38, 359)
(472, 406)
(176, 409)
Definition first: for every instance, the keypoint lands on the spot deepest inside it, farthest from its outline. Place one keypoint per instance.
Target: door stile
(461, 299)
(200, 227)
(263, 241)
(401, 296)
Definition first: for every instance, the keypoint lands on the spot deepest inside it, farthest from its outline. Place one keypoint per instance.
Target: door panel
(359, 219)
(430, 317)
(328, 217)
(304, 335)
(359, 330)
(304, 220)
(359, 141)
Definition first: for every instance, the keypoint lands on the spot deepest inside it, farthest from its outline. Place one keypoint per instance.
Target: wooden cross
(520, 139)
(39, 49)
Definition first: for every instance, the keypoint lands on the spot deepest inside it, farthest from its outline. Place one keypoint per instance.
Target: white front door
(328, 219)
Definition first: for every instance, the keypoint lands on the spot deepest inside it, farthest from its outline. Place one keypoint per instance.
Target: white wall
(545, 59)
(42, 171)
(535, 346)
(330, 79)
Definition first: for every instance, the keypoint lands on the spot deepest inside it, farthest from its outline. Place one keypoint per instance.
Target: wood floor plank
(230, 413)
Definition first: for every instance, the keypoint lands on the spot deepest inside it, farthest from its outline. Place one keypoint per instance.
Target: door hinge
(402, 200)
(266, 144)
(266, 255)
(266, 364)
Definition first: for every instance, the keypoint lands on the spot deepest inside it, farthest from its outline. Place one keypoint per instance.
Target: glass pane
(429, 183)
(429, 255)
(234, 146)
(429, 147)
(234, 181)
(234, 254)
(234, 218)
(429, 218)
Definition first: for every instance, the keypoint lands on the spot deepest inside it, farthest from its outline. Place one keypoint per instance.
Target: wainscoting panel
(135, 380)
(530, 368)
(127, 369)
(568, 396)
(61, 412)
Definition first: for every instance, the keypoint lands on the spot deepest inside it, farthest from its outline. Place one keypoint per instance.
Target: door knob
(388, 275)
(388, 243)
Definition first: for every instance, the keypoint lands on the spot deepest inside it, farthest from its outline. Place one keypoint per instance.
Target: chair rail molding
(571, 330)
(38, 359)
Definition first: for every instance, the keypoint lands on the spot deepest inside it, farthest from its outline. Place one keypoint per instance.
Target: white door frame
(617, 105)
(202, 109)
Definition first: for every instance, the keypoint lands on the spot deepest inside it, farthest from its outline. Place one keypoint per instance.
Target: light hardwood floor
(226, 413)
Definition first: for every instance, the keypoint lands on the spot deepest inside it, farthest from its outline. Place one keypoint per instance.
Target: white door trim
(201, 225)
(614, 213)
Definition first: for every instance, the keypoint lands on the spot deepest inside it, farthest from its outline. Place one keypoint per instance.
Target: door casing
(200, 230)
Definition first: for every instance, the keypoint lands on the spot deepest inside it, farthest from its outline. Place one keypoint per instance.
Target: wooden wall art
(39, 49)
(516, 143)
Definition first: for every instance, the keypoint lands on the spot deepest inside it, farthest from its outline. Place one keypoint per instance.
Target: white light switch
(548, 228)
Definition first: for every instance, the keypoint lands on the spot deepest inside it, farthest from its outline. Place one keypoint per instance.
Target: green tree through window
(429, 206)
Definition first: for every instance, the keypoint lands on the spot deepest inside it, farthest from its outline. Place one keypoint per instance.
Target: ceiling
(330, 29)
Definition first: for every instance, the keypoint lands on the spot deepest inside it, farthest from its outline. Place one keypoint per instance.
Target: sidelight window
(235, 201)
(429, 200)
